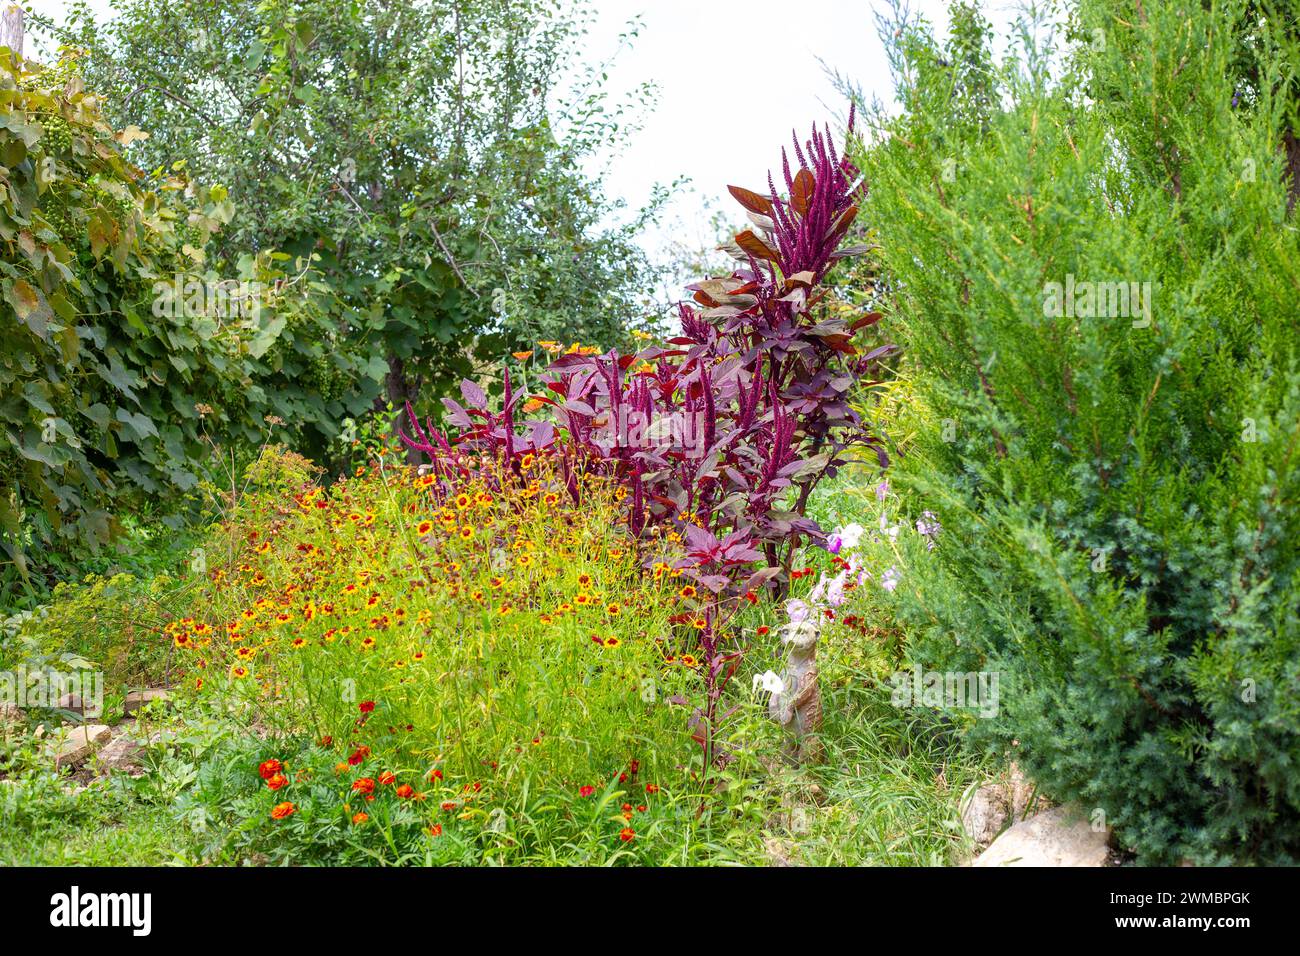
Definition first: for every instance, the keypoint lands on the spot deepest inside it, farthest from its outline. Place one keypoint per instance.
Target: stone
(778, 851)
(71, 702)
(120, 753)
(138, 698)
(985, 812)
(1023, 795)
(79, 744)
(1055, 837)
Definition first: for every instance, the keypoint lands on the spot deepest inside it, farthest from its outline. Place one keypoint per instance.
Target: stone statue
(798, 706)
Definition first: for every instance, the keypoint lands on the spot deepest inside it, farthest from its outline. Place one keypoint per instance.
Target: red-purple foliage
(732, 426)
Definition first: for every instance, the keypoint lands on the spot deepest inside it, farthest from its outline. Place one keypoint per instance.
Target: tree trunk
(1291, 146)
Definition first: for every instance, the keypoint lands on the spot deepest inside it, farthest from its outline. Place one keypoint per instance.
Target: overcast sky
(709, 124)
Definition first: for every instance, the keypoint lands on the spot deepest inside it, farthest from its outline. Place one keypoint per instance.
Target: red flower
(282, 810)
(626, 834)
(449, 805)
(366, 785)
(277, 781)
(269, 768)
(435, 774)
(586, 791)
(435, 830)
(652, 788)
(763, 630)
(366, 706)
(387, 777)
(326, 741)
(405, 791)
(359, 755)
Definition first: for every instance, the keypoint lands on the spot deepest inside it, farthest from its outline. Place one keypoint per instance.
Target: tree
(1093, 281)
(419, 156)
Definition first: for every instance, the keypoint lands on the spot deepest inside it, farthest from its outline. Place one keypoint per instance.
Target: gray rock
(1055, 837)
(79, 744)
(71, 702)
(1024, 797)
(985, 812)
(138, 698)
(120, 753)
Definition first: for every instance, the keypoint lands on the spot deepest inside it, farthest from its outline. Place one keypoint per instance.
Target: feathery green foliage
(1094, 275)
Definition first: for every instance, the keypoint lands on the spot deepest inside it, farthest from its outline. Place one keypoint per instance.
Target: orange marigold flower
(435, 830)
(652, 788)
(269, 768)
(282, 810)
(277, 781)
(626, 834)
(360, 818)
(364, 785)
(405, 791)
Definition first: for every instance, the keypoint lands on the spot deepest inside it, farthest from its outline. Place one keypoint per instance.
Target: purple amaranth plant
(761, 367)
(762, 372)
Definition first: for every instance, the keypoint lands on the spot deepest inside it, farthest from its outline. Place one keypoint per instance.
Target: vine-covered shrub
(1094, 278)
(118, 353)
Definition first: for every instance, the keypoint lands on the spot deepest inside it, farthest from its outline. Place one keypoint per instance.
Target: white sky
(707, 57)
